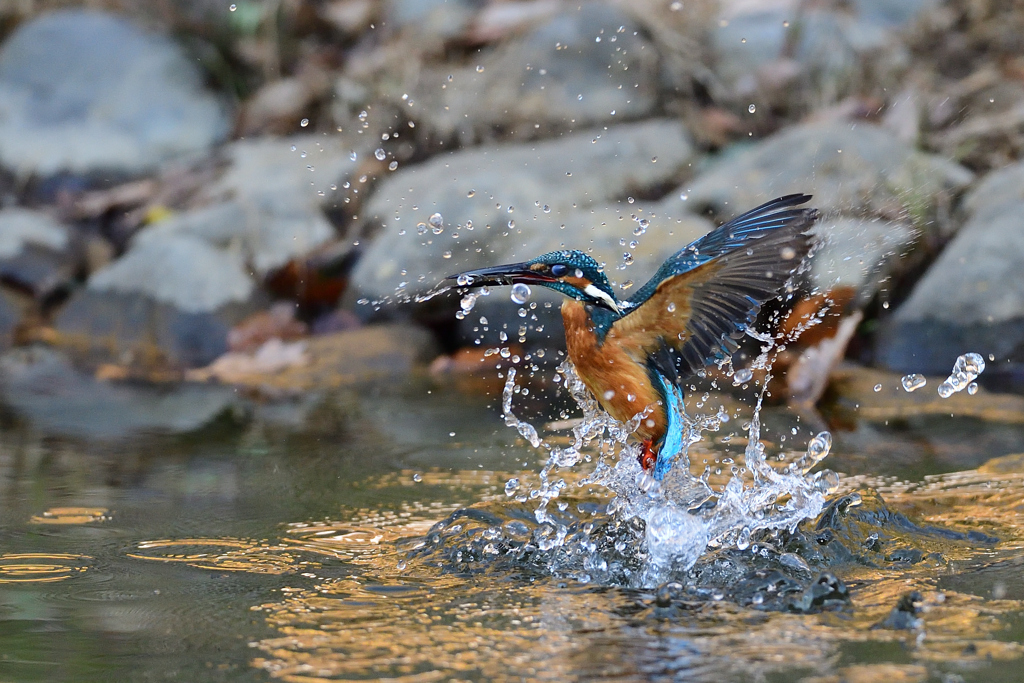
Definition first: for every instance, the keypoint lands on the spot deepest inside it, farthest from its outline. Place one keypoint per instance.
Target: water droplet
(676, 6)
(787, 253)
(878, 387)
(913, 382)
(626, 285)
(353, 156)
(966, 370)
(393, 165)
(546, 209)
(446, 254)
(520, 293)
(972, 388)
(417, 477)
(464, 280)
(471, 193)
(511, 486)
(671, 307)
(752, 108)
(421, 228)
(232, 7)
(742, 376)
(304, 122)
(401, 565)
(609, 395)
(627, 259)
(436, 221)
(380, 154)
(479, 69)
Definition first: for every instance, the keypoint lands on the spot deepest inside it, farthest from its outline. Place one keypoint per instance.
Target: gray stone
(586, 65)
(835, 45)
(996, 190)
(479, 186)
(970, 300)
(42, 385)
(180, 270)
(167, 303)
(86, 91)
(269, 201)
(857, 169)
(430, 19)
(35, 251)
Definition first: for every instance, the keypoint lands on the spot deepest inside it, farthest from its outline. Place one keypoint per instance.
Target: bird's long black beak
(507, 274)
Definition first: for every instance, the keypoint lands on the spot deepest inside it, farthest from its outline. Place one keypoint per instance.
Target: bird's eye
(558, 270)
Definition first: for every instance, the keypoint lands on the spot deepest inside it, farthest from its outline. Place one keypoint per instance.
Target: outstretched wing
(702, 299)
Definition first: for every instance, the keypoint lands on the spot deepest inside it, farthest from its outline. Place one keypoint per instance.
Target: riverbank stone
(510, 202)
(84, 91)
(168, 302)
(971, 299)
(36, 252)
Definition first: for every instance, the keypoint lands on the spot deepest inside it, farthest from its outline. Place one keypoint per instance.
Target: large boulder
(876, 193)
(972, 296)
(86, 91)
(167, 303)
(512, 202)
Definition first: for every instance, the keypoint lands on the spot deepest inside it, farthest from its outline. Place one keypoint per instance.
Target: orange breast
(613, 371)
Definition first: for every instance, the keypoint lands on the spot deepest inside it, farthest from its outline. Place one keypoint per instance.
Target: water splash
(966, 370)
(675, 517)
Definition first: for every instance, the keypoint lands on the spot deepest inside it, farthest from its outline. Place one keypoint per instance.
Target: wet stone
(970, 299)
(85, 91)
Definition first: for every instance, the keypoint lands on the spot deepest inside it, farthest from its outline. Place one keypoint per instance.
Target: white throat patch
(598, 293)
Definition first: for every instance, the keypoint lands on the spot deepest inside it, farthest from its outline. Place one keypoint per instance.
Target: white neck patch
(598, 293)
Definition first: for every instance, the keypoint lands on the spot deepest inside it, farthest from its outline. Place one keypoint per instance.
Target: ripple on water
(41, 567)
(71, 516)
(225, 555)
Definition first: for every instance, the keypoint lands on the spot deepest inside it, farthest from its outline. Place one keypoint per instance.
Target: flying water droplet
(511, 486)
(671, 306)
(421, 228)
(380, 154)
(913, 382)
(742, 376)
(436, 221)
(393, 166)
(464, 280)
(972, 388)
(353, 156)
(878, 387)
(232, 7)
(304, 122)
(966, 370)
(752, 108)
(471, 194)
(520, 293)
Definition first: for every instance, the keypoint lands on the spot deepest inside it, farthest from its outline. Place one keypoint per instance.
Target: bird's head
(570, 272)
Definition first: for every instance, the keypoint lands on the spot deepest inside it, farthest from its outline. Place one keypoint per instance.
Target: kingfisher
(633, 354)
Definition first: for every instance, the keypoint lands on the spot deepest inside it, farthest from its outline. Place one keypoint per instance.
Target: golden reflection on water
(425, 625)
(41, 567)
(224, 554)
(71, 515)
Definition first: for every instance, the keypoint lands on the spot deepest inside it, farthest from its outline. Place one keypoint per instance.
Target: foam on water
(681, 515)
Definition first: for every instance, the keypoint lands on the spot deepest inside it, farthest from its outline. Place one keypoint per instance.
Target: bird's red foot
(648, 457)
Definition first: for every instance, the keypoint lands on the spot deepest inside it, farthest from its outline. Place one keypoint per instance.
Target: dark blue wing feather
(718, 284)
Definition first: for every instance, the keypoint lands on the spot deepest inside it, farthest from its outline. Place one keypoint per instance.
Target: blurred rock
(876, 194)
(432, 21)
(35, 252)
(577, 182)
(85, 91)
(856, 169)
(498, 20)
(348, 16)
(268, 202)
(327, 362)
(996, 190)
(168, 302)
(41, 385)
(12, 310)
(586, 65)
(971, 298)
(834, 46)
